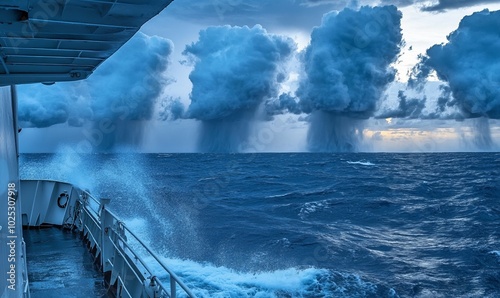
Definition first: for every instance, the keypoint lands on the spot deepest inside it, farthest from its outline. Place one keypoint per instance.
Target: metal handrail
(118, 249)
(172, 274)
(121, 280)
(93, 219)
(174, 279)
(96, 201)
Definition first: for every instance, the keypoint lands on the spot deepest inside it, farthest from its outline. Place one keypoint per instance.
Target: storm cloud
(346, 70)
(469, 63)
(235, 70)
(442, 5)
(122, 92)
(284, 13)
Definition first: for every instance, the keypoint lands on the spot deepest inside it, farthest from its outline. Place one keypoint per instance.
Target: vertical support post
(106, 225)
(12, 265)
(173, 287)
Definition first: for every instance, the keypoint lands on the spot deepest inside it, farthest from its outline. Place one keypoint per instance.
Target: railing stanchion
(116, 251)
(173, 288)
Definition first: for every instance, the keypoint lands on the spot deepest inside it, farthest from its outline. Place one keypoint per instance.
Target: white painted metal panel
(11, 250)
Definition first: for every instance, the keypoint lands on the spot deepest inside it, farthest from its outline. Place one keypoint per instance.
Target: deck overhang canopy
(47, 41)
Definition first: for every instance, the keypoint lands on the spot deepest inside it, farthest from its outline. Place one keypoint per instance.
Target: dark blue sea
(306, 225)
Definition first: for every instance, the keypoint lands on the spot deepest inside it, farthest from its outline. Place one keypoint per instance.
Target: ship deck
(59, 265)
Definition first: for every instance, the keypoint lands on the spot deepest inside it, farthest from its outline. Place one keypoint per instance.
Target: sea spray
(126, 180)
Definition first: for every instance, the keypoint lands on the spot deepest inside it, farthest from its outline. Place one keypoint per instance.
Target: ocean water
(306, 225)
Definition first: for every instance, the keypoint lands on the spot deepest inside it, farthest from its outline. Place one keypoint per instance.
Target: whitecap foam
(208, 179)
(208, 280)
(361, 162)
(311, 207)
(496, 253)
(285, 195)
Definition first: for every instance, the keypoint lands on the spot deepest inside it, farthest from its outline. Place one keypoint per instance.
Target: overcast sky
(392, 126)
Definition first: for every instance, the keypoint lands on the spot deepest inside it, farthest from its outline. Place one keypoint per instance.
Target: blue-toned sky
(284, 76)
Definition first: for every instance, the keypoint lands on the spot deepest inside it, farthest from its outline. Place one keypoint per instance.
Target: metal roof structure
(47, 41)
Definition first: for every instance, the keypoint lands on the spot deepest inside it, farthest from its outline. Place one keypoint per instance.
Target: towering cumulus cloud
(347, 68)
(236, 69)
(470, 63)
(111, 105)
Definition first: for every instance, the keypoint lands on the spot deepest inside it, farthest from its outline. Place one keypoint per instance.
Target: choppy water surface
(306, 225)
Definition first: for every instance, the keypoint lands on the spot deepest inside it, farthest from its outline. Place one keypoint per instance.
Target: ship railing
(132, 266)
